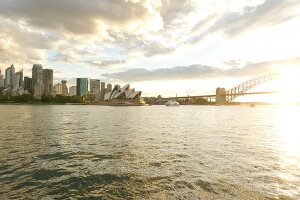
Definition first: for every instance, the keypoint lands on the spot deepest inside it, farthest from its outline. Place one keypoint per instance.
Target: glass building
(82, 86)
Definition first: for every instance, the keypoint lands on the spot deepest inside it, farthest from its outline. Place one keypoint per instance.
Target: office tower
(1, 79)
(64, 87)
(38, 90)
(94, 86)
(109, 87)
(57, 89)
(48, 81)
(18, 80)
(28, 84)
(9, 77)
(103, 89)
(72, 91)
(82, 86)
(95, 89)
(37, 76)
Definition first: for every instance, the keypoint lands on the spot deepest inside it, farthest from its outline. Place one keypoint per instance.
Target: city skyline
(40, 85)
(162, 47)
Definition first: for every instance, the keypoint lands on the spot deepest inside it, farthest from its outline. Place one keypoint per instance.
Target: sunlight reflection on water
(154, 152)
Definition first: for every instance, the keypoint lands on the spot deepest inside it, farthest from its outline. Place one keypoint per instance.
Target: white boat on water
(172, 103)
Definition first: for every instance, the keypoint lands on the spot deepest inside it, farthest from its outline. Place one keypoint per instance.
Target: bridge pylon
(221, 96)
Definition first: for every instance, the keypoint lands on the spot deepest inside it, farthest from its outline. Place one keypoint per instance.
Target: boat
(172, 103)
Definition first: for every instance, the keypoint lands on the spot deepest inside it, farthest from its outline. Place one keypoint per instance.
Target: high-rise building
(94, 86)
(57, 89)
(109, 87)
(9, 77)
(64, 87)
(1, 79)
(82, 86)
(48, 81)
(38, 90)
(28, 84)
(72, 91)
(95, 89)
(37, 76)
(18, 80)
(103, 90)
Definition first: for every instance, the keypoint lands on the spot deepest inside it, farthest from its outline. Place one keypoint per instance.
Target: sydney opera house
(124, 93)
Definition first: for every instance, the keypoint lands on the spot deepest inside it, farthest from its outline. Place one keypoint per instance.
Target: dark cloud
(200, 72)
(76, 16)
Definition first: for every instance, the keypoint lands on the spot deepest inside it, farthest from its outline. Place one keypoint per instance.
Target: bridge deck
(213, 95)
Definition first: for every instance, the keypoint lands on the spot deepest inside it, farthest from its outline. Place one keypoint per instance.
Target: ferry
(172, 103)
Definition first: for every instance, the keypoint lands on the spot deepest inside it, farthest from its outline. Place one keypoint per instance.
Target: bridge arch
(226, 96)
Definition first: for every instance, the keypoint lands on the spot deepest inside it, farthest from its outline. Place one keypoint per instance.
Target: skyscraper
(18, 80)
(9, 77)
(95, 89)
(1, 79)
(94, 86)
(103, 90)
(82, 86)
(109, 87)
(37, 76)
(64, 87)
(48, 81)
(28, 84)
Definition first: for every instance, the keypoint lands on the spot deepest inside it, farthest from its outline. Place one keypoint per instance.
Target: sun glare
(288, 86)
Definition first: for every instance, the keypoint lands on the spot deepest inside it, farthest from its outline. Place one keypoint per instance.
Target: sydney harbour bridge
(223, 96)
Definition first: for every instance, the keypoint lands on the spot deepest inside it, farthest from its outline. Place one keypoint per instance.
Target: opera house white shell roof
(123, 93)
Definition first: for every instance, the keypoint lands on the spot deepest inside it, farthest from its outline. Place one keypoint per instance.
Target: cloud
(250, 18)
(236, 63)
(74, 31)
(75, 16)
(201, 71)
(142, 74)
(106, 63)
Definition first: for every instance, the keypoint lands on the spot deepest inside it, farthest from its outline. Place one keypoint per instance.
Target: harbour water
(156, 152)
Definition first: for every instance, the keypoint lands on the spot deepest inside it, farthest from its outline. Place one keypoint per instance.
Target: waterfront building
(72, 91)
(94, 86)
(48, 81)
(57, 89)
(28, 84)
(1, 80)
(9, 77)
(95, 89)
(123, 93)
(37, 76)
(64, 87)
(109, 87)
(18, 80)
(103, 91)
(82, 86)
(38, 90)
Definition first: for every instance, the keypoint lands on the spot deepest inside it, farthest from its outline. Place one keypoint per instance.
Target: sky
(162, 47)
